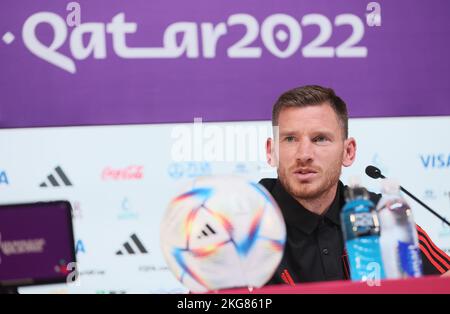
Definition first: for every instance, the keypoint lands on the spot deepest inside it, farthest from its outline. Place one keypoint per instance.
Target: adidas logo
(128, 249)
(63, 180)
(207, 231)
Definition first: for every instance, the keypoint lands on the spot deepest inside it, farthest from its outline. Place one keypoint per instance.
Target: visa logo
(435, 161)
(3, 177)
(79, 247)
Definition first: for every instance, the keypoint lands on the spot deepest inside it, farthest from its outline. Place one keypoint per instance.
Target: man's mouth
(305, 174)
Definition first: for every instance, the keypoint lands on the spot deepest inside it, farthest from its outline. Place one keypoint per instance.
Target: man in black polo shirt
(309, 148)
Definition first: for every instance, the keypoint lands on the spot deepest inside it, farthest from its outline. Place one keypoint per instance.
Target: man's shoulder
(268, 183)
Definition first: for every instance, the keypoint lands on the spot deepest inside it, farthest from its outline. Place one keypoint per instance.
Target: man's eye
(320, 139)
(289, 138)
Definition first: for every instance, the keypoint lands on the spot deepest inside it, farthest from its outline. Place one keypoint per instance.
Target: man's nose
(305, 151)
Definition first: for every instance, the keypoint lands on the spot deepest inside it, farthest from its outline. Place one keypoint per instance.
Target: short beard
(307, 194)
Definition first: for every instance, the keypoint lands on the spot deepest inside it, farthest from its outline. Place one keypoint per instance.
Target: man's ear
(270, 154)
(349, 152)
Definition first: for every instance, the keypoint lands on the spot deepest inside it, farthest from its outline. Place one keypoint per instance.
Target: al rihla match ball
(223, 232)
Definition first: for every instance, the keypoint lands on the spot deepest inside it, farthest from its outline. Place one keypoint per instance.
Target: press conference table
(428, 285)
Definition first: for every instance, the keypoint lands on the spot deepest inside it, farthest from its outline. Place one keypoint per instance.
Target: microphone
(375, 173)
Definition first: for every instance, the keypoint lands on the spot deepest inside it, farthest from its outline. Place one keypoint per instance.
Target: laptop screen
(36, 243)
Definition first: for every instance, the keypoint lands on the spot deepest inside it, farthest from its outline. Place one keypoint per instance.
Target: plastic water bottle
(399, 241)
(362, 235)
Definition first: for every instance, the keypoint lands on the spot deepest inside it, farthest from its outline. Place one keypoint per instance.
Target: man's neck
(319, 205)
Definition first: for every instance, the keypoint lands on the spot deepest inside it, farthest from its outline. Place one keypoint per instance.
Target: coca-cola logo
(129, 173)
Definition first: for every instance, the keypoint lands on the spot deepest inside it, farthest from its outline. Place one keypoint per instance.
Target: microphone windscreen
(373, 172)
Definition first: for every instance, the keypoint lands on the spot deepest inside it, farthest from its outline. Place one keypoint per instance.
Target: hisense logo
(435, 161)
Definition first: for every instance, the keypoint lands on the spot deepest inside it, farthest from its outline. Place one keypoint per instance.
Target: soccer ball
(223, 232)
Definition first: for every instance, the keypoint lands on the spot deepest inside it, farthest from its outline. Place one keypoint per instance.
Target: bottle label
(359, 219)
(410, 259)
(363, 224)
(363, 253)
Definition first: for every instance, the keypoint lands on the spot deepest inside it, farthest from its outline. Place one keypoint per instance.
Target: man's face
(310, 150)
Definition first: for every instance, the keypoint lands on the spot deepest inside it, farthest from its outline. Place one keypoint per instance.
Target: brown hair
(312, 95)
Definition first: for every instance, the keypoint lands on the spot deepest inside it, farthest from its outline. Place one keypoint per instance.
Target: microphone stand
(375, 173)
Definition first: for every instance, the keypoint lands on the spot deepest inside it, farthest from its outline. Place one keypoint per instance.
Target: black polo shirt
(314, 249)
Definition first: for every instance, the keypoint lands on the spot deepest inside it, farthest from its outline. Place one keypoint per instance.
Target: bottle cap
(354, 181)
(389, 186)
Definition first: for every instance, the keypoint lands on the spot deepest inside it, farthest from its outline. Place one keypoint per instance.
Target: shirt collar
(297, 216)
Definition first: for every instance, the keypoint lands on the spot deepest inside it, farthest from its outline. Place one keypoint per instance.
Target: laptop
(36, 244)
